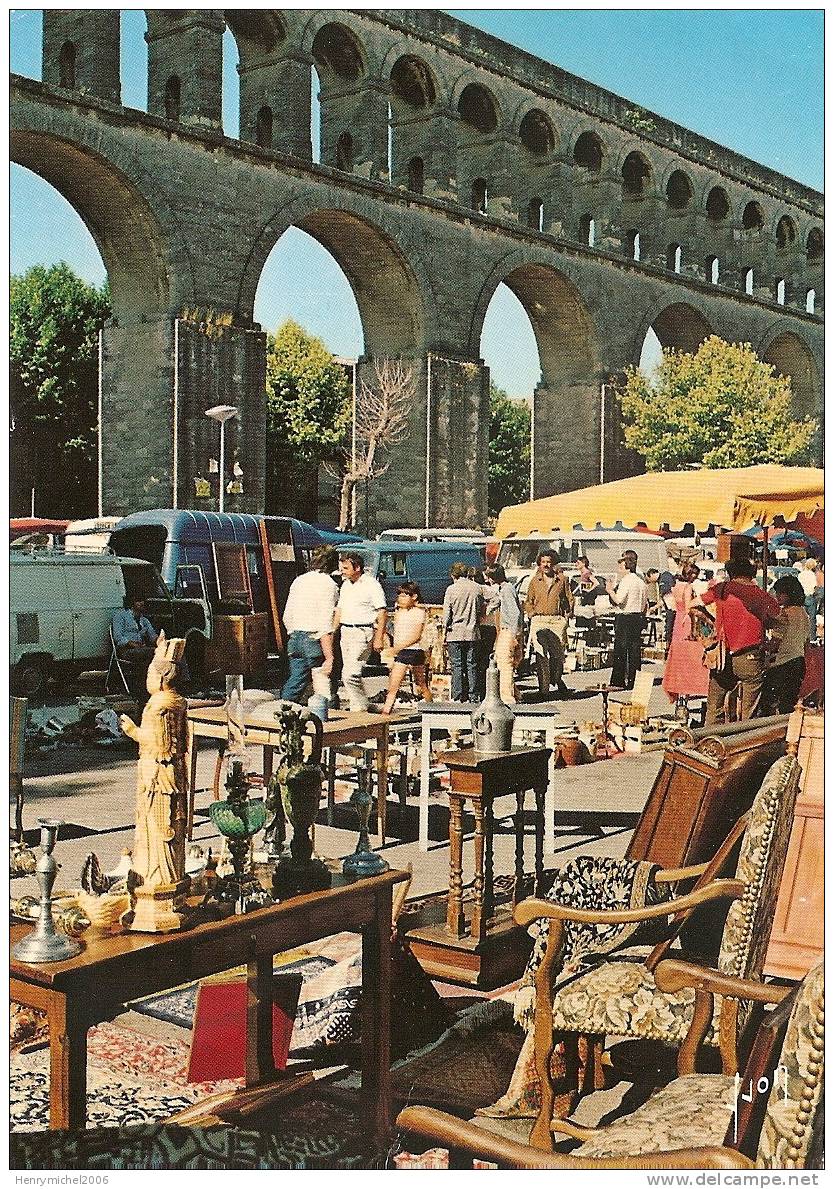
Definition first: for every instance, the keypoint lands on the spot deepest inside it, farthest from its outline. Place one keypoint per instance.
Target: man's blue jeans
(464, 669)
(304, 654)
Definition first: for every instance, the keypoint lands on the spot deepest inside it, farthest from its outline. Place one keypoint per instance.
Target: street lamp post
(222, 414)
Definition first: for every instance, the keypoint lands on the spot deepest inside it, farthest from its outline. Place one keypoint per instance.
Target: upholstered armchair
(619, 996)
(691, 1122)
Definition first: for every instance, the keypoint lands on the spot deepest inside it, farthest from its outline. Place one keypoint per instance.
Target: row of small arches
(337, 52)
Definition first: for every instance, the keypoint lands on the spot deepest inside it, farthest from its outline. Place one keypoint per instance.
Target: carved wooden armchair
(619, 996)
(691, 1122)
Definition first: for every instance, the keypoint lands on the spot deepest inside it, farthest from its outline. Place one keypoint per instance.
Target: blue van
(425, 562)
(186, 547)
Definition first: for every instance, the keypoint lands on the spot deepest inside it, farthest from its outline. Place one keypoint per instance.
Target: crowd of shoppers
(762, 636)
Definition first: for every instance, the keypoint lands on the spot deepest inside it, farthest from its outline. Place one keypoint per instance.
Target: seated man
(135, 640)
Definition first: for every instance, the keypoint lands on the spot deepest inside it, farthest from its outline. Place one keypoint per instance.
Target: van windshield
(143, 582)
(521, 555)
(147, 542)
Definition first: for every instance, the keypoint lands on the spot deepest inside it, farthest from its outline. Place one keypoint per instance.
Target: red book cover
(218, 1040)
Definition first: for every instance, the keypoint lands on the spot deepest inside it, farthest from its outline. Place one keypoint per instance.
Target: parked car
(425, 562)
(62, 605)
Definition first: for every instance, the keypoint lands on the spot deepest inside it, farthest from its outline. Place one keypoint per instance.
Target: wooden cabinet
(238, 644)
(796, 943)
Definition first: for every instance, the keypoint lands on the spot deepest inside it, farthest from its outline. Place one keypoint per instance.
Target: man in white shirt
(360, 616)
(628, 594)
(308, 620)
(808, 580)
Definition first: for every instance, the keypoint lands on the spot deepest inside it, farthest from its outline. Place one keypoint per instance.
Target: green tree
(509, 450)
(721, 407)
(54, 320)
(308, 416)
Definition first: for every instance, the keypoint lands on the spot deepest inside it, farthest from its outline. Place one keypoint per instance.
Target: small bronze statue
(300, 783)
(157, 880)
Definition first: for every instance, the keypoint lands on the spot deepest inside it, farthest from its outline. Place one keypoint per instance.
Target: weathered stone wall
(603, 218)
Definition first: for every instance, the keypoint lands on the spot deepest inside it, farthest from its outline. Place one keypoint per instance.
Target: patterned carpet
(131, 1078)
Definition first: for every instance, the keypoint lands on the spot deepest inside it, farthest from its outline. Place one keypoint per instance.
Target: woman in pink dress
(685, 674)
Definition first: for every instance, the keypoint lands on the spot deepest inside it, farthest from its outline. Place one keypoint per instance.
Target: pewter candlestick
(44, 944)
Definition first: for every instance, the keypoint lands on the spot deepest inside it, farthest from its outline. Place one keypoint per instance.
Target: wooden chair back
(700, 791)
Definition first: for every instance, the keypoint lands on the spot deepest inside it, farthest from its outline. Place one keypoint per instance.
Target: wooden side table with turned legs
(484, 948)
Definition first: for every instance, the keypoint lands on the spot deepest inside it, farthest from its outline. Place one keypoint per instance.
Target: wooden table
(340, 729)
(457, 716)
(482, 951)
(113, 970)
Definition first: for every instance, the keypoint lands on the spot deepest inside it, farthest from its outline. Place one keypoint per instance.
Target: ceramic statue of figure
(157, 879)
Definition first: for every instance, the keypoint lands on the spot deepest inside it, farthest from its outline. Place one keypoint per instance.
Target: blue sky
(750, 79)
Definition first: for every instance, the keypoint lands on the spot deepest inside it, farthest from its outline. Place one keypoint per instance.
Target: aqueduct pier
(450, 162)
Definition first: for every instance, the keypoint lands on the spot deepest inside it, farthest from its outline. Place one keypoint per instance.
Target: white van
(62, 605)
(603, 549)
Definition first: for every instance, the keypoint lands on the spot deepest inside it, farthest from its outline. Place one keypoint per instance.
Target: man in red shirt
(745, 611)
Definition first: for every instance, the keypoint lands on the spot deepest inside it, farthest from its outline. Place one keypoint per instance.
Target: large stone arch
(134, 247)
(564, 331)
(566, 404)
(791, 356)
(259, 33)
(392, 292)
(677, 324)
(341, 19)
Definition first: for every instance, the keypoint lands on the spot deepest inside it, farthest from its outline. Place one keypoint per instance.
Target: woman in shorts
(409, 625)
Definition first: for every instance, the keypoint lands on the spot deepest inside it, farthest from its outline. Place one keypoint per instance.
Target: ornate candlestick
(238, 819)
(45, 944)
(363, 861)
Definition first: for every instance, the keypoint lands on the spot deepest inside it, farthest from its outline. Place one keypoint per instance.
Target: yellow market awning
(733, 499)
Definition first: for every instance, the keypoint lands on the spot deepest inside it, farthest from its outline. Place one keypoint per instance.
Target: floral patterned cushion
(788, 1126)
(761, 861)
(691, 1112)
(622, 999)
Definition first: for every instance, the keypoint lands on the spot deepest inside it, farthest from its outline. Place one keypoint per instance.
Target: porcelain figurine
(157, 879)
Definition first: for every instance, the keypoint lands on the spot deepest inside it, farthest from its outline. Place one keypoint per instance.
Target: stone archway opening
(136, 361)
(680, 327)
(343, 281)
(549, 328)
(790, 357)
(509, 349)
(46, 475)
(124, 229)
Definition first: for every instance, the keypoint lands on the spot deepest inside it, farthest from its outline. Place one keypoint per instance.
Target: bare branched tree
(382, 414)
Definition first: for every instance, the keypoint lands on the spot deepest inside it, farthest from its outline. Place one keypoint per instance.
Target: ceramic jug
(492, 723)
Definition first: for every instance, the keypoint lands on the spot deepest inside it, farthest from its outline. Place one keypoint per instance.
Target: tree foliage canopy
(509, 450)
(308, 395)
(721, 407)
(54, 320)
(307, 419)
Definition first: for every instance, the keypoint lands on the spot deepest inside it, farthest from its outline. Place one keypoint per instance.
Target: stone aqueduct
(450, 162)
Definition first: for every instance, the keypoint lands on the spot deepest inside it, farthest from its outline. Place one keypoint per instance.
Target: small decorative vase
(298, 872)
(238, 819)
(363, 862)
(44, 944)
(492, 724)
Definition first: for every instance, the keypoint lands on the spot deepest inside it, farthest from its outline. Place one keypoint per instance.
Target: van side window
(398, 566)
